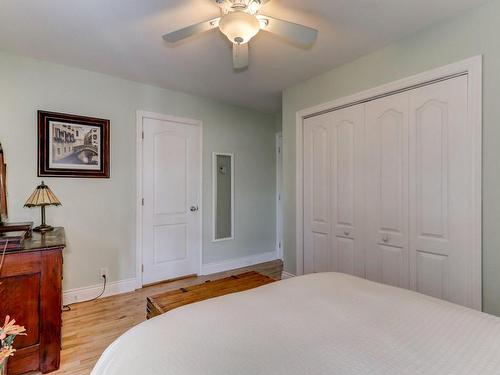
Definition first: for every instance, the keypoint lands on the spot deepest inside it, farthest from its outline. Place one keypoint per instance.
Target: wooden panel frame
(46, 264)
(50, 310)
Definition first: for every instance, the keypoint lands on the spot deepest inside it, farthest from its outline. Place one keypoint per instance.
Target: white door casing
(279, 195)
(171, 190)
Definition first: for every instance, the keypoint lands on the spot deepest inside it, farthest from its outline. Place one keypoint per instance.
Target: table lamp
(42, 197)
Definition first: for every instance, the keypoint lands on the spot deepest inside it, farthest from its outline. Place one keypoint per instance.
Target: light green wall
(474, 33)
(99, 215)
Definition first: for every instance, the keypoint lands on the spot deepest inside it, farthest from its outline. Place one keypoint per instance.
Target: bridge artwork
(86, 148)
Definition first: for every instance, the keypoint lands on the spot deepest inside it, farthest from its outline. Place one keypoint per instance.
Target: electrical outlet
(104, 272)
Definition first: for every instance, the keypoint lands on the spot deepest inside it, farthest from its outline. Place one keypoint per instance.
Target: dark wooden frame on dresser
(31, 292)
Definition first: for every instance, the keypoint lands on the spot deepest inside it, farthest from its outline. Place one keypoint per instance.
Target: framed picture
(72, 146)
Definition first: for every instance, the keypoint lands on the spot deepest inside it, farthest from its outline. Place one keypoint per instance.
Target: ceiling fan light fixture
(254, 7)
(239, 27)
(240, 21)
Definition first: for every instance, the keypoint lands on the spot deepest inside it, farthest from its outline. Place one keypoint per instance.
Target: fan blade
(240, 56)
(298, 33)
(186, 32)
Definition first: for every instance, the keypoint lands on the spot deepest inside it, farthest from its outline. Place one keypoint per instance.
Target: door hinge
(142, 135)
(143, 201)
(280, 245)
(142, 268)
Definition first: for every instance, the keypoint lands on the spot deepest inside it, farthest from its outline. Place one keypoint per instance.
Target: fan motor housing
(248, 6)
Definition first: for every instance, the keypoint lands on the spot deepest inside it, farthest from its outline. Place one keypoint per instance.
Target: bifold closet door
(387, 257)
(317, 216)
(347, 203)
(333, 192)
(441, 191)
(389, 191)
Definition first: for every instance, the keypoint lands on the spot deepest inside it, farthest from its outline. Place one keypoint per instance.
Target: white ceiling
(123, 38)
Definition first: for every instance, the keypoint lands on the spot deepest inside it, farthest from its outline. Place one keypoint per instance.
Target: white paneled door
(441, 190)
(171, 243)
(387, 257)
(333, 192)
(317, 179)
(347, 137)
(389, 191)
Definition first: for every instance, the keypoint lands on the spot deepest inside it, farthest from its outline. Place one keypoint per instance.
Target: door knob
(194, 208)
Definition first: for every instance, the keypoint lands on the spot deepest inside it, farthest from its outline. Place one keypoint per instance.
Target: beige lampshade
(42, 196)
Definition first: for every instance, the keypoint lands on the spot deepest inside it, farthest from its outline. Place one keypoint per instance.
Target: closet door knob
(194, 208)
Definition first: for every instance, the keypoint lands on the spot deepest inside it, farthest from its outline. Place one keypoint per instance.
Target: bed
(328, 323)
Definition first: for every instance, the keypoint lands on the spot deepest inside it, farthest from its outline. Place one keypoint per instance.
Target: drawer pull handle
(346, 233)
(385, 238)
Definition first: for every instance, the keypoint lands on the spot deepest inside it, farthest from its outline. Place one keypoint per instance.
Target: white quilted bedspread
(326, 323)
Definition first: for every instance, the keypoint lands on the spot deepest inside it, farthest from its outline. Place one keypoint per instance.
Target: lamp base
(43, 228)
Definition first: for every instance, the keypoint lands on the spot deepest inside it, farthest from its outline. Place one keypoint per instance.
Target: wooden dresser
(31, 292)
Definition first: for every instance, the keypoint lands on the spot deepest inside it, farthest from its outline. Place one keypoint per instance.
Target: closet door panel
(387, 258)
(394, 266)
(347, 140)
(432, 274)
(346, 256)
(320, 253)
(431, 131)
(344, 152)
(440, 191)
(317, 217)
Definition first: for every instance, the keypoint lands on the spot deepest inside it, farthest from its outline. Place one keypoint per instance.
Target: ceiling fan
(240, 21)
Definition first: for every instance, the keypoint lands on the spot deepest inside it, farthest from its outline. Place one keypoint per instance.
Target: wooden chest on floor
(31, 292)
(162, 303)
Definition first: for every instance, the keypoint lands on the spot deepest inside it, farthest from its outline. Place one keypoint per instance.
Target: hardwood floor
(90, 327)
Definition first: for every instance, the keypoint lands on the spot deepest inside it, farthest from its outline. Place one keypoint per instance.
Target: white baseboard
(286, 275)
(129, 285)
(90, 292)
(227, 265)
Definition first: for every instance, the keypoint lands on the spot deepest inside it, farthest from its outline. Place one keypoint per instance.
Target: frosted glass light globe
(239, 27)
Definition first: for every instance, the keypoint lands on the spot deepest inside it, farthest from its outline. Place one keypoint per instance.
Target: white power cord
(68, 307)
